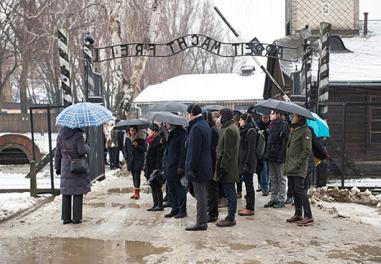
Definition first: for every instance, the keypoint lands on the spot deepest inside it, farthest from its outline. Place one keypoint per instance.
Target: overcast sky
(264, 19)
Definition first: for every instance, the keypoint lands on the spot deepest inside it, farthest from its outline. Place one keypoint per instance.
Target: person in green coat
(299, 148)
(227, 164)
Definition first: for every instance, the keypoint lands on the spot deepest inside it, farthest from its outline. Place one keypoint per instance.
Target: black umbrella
(125, 124)
(262, 110)
(169, 107)
(212, 108)
(166, 117)
(285, 107)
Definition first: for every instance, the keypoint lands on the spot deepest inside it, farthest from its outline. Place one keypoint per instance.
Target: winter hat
(226, 115)
(154, 127)
(194, 109)
(246, 117)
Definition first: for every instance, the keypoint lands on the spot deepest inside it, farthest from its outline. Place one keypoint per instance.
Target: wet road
(116, 229)
(75, 251)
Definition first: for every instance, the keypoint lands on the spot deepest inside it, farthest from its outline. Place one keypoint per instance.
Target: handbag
(77, 166)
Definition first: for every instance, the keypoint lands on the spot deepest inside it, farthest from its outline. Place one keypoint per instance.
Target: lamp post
(305, 34)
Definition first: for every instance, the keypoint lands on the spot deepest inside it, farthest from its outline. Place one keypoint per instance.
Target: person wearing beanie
(198, 163)
(227, 164)
(153, 166)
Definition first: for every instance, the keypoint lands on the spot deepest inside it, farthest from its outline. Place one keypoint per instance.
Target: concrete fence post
(33, 180)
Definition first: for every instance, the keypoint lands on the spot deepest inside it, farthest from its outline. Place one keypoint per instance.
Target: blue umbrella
(319, 126)
(83, 115)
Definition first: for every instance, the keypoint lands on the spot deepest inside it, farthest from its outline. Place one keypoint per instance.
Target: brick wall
(20, 123)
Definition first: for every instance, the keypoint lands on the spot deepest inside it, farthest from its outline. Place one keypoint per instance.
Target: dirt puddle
(80, 250)
(119, 205)
(358, 254)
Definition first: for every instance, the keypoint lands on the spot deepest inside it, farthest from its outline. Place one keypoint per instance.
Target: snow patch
(12, 203)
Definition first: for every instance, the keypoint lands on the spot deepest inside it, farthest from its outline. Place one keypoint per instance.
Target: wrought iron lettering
(180, 44)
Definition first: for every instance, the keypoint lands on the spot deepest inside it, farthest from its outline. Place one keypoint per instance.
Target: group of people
(210, 158)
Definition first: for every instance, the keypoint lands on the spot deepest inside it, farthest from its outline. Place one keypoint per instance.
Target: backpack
(261, 142)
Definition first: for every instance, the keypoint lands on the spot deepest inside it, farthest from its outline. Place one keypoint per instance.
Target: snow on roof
(364, 62)
(205, 87)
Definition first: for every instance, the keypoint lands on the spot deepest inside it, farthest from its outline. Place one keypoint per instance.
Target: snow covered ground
(13, 177)
(12, 203)
(366, 182)
(359, 213)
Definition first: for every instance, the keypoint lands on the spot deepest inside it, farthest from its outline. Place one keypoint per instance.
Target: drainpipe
(365, 23)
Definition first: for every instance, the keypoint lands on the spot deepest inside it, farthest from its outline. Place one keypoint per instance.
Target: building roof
(205, 87)
(362, 64)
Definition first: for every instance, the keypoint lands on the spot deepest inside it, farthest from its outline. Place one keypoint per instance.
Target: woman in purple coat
(71, 145)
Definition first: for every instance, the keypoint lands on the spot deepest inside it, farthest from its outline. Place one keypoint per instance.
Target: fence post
(33, 181)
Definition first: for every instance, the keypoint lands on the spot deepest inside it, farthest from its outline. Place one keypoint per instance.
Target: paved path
(117, 229)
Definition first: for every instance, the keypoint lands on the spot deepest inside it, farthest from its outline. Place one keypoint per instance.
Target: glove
(192, 174)
(58, 172)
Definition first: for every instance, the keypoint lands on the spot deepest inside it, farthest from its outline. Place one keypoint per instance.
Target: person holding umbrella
(153, 166)
(275, 154)
(135, 147)
(298, 150)
(70, 156)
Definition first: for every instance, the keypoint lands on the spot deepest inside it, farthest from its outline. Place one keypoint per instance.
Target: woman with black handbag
(153, 166)
(71, 164)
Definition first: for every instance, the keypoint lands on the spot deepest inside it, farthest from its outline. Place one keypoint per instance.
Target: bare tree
(8, 44)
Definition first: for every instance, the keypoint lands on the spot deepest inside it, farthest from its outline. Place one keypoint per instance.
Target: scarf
(150, 139)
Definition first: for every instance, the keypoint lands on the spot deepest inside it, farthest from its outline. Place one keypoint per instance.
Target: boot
(137, 195)
(154, 198)
(159, 197)
(133, 196)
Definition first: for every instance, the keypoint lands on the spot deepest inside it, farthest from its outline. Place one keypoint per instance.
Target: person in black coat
(71, 145)
(247, 161)
(153, 166)
(275, 154)
(262, 164)
(198, 163)
(135, 147)
(213, 189)
(174, 164)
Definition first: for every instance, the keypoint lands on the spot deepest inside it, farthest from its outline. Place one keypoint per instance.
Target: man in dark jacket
(71, 145)
(276, 154)
(198, 163)
(247, 161)
(227, 164)
(213, 189)
(174, 164)
(298, 150)
(262, 163)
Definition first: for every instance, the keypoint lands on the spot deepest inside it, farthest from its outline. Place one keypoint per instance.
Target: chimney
(366, 23)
